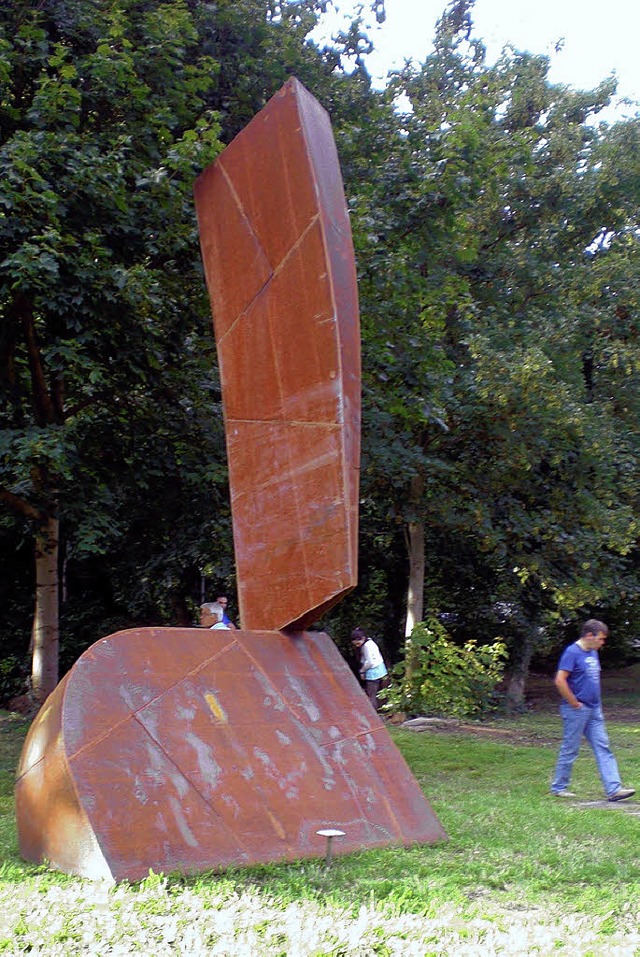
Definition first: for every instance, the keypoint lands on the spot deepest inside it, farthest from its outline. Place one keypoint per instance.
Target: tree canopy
(494, 246)
(496, 232)
(108, 112)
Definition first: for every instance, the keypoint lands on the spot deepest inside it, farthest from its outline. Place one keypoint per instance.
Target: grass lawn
(523, 873)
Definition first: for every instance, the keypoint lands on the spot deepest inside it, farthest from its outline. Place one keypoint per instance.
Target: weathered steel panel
(236, 750)
(278, 254)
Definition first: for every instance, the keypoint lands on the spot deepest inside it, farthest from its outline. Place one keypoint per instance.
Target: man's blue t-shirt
(584, 674)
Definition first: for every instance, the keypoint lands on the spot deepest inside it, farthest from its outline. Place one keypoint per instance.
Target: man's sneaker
(567, 794)
(621, 794)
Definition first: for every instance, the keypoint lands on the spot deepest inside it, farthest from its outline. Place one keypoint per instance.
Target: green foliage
(111, 414)
(497, 245)
(495, 226)
(440, 678)
(11, 680)
(367, 608)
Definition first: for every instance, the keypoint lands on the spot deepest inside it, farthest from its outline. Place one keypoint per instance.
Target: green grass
(508, 837)
(12, 733)
(513, 851)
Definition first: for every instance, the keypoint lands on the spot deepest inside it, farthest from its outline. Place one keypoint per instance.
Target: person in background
(224, 601)
(211, 616)
(578, 682)
(373, 670)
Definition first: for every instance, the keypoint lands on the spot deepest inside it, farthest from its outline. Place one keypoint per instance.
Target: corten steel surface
(188, 749)
(278, 255)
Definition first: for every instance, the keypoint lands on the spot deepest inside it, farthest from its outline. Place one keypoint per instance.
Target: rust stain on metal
(277, 827)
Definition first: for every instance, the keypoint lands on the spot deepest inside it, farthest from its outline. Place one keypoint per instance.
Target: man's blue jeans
(589, 722)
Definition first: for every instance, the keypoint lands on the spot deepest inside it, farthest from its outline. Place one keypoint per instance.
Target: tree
(111, 434)
(483, 434)
(103, 129)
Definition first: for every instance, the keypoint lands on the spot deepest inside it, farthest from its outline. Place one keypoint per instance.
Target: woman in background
(373, 670)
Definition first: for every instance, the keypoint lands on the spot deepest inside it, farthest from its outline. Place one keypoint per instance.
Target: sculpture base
(185, 750)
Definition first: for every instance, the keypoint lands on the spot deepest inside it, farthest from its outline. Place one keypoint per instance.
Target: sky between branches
(587, 40)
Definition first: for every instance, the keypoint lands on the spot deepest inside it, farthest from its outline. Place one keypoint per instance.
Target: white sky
(600, 37)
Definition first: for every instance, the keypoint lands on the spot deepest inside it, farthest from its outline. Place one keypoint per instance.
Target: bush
(12, 681)
(440, 678)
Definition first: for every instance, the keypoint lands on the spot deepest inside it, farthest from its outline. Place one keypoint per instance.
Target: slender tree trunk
(415, 549)
(415, 594)
(45, 632)
(47, 394)
(181, 615)
(518, 673)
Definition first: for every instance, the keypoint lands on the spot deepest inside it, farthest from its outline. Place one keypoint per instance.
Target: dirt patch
(620, 692)
(628, 807)
(485, 729)
(619, 682)
(24, 705)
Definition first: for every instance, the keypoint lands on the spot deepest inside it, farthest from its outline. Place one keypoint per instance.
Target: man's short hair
(593, 627)
(357, 634)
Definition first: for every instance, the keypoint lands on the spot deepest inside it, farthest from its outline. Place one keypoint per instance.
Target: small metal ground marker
(329, 833)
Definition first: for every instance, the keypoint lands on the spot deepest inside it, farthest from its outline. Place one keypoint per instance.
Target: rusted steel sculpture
(181, 750)
(278, 255)
(184, 749)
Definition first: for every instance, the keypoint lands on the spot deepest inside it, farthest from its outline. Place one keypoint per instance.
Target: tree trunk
(415, 594)
(45, 632)
(518, 673)
(415, 549)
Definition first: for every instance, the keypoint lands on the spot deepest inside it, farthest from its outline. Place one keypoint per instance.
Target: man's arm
(562, 685)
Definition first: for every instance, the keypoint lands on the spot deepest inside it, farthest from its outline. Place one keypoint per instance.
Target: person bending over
(373, 670)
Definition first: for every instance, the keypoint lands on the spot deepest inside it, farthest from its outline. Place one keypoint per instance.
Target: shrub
(11, 679)
(440, 678)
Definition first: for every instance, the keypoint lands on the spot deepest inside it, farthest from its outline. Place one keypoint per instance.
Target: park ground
(522, 873)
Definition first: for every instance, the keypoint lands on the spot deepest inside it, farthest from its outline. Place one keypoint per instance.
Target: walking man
(578, 682)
